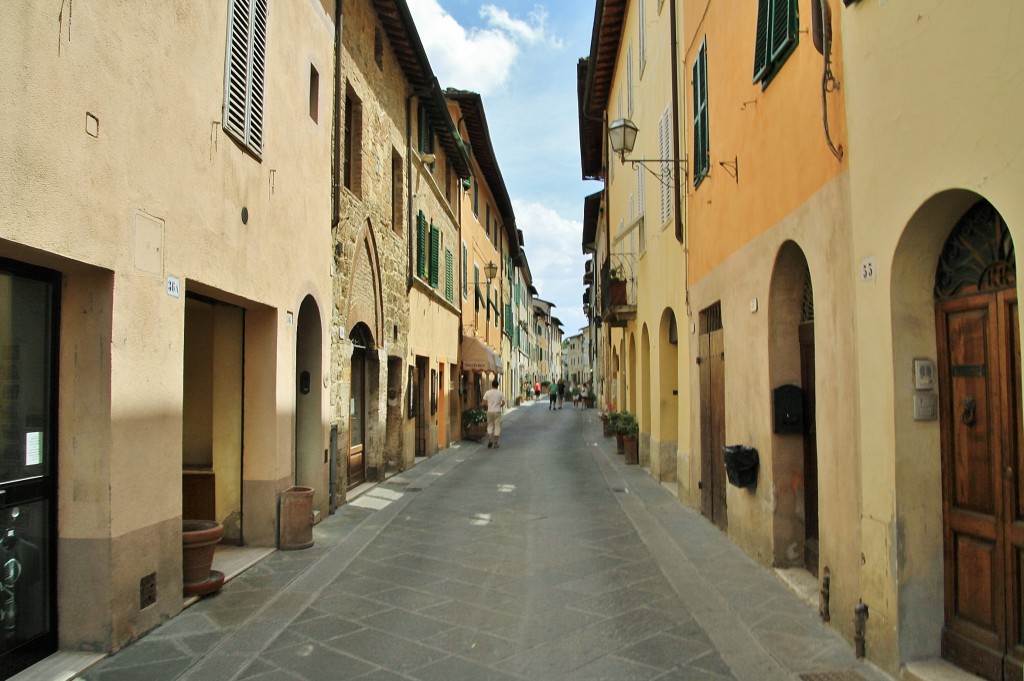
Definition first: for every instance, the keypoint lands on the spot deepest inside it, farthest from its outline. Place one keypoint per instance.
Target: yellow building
(935, 195)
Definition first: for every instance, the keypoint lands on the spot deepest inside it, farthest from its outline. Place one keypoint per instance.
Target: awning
(476, 356)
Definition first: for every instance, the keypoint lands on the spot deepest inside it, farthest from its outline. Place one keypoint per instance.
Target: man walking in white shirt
(495, 400)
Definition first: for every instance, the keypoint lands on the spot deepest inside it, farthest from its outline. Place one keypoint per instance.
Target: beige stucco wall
(152, 187)
(913, 173)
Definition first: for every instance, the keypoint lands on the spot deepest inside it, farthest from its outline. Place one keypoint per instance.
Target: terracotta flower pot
(619, 446)
(629, 443)
(198, 539)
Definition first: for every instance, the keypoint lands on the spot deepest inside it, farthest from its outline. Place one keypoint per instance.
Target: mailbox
(741, 463)
(788, 410)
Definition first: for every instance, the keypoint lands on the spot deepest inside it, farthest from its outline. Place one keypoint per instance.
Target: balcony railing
(618, 288)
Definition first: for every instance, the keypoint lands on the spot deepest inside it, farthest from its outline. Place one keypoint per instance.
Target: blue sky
(521, 57)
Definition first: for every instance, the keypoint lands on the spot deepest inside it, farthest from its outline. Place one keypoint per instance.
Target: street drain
(839, 675)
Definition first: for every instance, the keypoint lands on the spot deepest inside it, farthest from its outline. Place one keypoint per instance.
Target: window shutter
(465, 267)
(761, 39)
(665, 151)
(508, 318)
(421, 246)
(244, 77)
(784, 27)
(701, 159)
(449, 275)
(435, 255)
(476, 289)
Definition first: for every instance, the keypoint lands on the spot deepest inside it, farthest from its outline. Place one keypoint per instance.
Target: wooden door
(357, 420)
(983, 503)
(806, 333)
(711, 359)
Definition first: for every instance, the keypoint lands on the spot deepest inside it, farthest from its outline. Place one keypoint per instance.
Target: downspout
(408, 174)
(336, 123)
(680, 188)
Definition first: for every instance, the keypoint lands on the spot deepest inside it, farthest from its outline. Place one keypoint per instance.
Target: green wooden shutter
(421, 245)
(761, 58)
(785, 24)
(701, 156)
(508, 318)
(476, 289)
(449, 275)
(465, 267)
(435, 255)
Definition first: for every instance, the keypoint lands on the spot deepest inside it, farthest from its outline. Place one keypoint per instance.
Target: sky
(521, 57)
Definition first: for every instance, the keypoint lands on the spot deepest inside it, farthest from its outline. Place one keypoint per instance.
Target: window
(378, 47)
(777, 35)
(396, 191)
(476, 199)
(465, 267)
(421, 245)
(629, 79)
(243, 79)
(701, 156)
(476, 288)
(314, 93)
(353, 141)
(426, 131)
(449, 276)
(487, 212)
(435, 255)
(665, 151)
(643, 35)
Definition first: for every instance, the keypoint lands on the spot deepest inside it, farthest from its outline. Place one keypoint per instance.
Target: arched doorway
(979, 386)
(364, 371)
(668, 397)
(711, 362)
(644, 406)
(794, 442)
(309, 440)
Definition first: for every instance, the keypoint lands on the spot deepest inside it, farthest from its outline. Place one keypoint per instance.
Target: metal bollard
(860, 620)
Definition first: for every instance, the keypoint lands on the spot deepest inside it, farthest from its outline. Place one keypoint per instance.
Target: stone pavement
(545, 559)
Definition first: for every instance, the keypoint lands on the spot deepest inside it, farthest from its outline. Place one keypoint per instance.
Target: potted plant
(628, 428)
(474, 423)
(617, 287)
(589, 398)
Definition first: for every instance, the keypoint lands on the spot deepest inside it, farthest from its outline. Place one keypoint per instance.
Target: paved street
(545, 559)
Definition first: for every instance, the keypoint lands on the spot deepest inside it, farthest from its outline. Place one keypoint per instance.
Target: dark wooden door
(806, 334)
(711, 359)
(357, 421)
(983, 504)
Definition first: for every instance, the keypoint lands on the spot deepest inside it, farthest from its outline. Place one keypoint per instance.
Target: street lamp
(622, 134)
(490, 271)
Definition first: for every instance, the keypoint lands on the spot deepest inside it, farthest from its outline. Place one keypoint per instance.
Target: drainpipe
(674, 61)
(409, 264)
(336, 123)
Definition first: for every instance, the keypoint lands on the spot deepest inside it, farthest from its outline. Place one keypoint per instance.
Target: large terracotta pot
(629, 444)
(474, 431)
(198, 539)
(619, 444)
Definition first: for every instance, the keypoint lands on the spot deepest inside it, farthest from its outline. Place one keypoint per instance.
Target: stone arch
(365, 302)
(794, 475)
(668, 395)
(917, 445)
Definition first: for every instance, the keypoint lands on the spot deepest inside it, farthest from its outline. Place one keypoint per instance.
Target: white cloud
(477, 59)
(553, 249)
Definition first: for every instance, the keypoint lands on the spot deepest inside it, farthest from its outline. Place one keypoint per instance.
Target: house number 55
(867, 269)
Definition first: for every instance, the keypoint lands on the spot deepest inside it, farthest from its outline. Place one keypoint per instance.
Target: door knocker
(970, 411)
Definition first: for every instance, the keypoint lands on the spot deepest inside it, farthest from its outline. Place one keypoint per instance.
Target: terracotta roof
(472, 107)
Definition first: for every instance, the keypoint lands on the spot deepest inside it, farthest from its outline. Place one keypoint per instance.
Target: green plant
(474, 417)
(626, 424)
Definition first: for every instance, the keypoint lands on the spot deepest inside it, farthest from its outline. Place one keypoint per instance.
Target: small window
(396, 191)
(353, 141)
(476, 199)
(378, 47)
(314, 93)
(244, 73)
(426, 131)
(487, 222)
(778, 32)
(701, 155)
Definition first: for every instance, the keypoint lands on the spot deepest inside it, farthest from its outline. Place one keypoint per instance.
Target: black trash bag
(741, 464)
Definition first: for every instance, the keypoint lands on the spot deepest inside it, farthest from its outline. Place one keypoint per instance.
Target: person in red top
(495, 400)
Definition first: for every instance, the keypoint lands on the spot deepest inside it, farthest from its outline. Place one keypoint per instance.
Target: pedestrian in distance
(561, 392)
(576, 396)
(553, 394)
(495, 401)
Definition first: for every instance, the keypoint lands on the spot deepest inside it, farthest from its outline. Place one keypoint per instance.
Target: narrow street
(545, 559)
